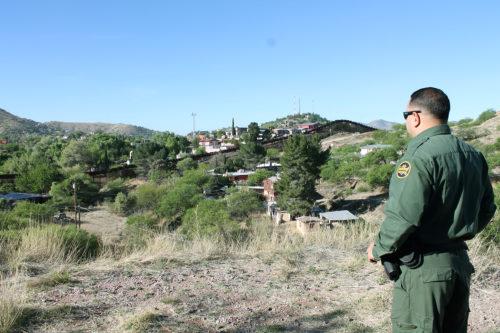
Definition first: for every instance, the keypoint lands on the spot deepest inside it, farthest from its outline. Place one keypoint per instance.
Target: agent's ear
(418, 119)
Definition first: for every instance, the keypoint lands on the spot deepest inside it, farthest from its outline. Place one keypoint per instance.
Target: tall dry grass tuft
(485, 257)
(12, 301)
(52, 245)
(39, 245)
(351, 236)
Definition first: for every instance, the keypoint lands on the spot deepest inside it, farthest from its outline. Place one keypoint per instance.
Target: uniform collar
(433, 131)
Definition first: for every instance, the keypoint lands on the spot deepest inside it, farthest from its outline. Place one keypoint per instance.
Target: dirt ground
(319, 290)
(103, 223)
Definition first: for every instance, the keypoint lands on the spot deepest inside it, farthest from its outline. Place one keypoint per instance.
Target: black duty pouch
(392, 269)
(412, 259)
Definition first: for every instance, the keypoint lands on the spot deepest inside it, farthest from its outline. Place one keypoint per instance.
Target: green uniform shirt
(440, 193)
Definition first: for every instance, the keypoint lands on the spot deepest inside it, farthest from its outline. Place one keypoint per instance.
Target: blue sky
(153, 63)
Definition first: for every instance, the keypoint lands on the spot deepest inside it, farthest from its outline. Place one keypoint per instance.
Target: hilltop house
(210, 145)
(307, 126)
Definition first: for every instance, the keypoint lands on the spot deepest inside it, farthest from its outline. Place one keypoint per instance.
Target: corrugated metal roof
(339, 215)
(376, 146)
(22, 196)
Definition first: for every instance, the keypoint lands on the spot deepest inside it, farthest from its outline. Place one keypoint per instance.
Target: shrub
(147, 196)
(258, 177)
(484, 116)
(112, 188)
(241, 204)
(8, 221)
(34, 211)
(468, 133)
(177, 201)
(142, 221)
(492, 230)
(379, 175)
(209, 218)
(123, 204)
(187, 164)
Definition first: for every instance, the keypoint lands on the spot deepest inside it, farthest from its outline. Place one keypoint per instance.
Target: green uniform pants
(433, 298)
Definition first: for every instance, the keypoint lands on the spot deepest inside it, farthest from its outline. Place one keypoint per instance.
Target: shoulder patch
(403, 170)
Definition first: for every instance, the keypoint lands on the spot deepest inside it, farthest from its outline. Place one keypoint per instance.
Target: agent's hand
(369, 253)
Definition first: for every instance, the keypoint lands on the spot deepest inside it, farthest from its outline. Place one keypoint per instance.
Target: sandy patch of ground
(103, 223)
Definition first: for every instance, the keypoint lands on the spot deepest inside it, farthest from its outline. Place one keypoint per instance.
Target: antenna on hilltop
(299, 106)
(194, 116)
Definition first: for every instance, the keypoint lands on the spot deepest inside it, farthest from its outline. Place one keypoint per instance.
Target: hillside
(295, 119)
(382, 124)
(100, 127)
(12, 126)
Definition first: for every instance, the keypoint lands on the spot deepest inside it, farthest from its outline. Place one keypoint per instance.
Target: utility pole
(74, 204)
(194, 116)
(299, 106)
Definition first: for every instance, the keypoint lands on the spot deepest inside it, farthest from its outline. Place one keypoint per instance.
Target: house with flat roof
(338, 216)
(365, 150)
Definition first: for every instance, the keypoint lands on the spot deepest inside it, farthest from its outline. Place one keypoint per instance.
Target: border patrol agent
(439, 196)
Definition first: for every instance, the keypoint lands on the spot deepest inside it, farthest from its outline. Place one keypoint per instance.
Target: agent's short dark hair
(433, 100)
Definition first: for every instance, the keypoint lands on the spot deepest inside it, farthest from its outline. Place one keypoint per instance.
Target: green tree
(252, 132)
(251, 153)
(87, 191)
(38, 177)
(258, 177)
(77, 153)
(300, 163)
(273, 154)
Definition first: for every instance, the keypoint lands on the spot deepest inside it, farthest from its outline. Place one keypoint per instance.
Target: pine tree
(300, 163)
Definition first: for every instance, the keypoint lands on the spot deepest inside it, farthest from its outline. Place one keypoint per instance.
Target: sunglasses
(407, 113)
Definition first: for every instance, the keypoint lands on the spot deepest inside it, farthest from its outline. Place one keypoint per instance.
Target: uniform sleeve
(487, 208)
(409, 193)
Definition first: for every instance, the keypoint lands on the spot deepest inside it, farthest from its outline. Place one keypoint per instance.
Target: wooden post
(74, 204)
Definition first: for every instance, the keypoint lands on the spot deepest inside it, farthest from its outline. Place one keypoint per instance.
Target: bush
(258, 177)
(209, 218)
(8, 221)
(187, 164)
(147, 196)
(484, 116)
(123, 204)
(79, 242)
(142, 221)
(112, 188)
(379, 175)
(241, 204)
(492, 230)
(34, 211)
(177, 201)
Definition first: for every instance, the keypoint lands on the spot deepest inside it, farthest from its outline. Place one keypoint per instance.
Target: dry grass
(12, 301)
(486, 260)
(41, 245)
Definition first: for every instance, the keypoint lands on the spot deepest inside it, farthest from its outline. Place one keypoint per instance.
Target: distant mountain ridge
(14, 126)
(100, 127)
(381, 124)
